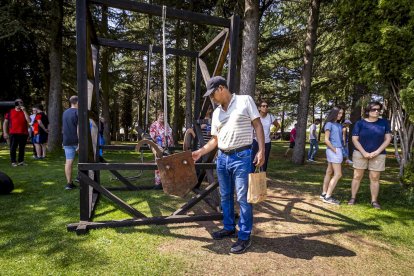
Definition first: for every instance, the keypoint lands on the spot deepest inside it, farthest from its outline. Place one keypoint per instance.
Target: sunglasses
(375, 109)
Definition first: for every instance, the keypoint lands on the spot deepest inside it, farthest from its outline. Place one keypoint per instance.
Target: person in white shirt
(231, 130)
(313, 141)
(268, 120)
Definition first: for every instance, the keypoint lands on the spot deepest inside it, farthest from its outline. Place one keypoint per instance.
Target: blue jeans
(233, 172)
(255, 149)
(313, 149)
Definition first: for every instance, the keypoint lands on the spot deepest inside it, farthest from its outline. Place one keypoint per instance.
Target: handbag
(257, 190)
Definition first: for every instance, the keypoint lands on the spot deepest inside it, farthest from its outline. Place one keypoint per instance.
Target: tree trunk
(249, 49)
(105, 80)
(55, 92)
(298, 156)
(355, 114)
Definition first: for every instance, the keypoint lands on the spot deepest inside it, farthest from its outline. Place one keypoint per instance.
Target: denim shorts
(333, 157)
(70, 152)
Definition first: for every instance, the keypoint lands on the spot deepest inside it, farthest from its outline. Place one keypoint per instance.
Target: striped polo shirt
(233, 127)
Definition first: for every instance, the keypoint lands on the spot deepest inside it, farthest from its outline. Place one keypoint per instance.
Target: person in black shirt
(70, 138)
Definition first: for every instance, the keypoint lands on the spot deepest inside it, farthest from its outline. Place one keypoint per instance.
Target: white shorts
(333, 157)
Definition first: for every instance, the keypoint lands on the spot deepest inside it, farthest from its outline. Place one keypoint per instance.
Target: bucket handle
(155, 149)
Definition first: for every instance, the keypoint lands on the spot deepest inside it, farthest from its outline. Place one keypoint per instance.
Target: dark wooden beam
(222, 57)
(233, 53)
(143, 221)
(132, 166)
(217, 40)
(197, 96)
(126, 207)
(196, 199)
(204, 70)
(194, 17)
(82, 87)
(143, 47)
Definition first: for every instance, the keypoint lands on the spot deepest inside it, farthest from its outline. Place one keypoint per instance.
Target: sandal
(352, 201)
(375, 205)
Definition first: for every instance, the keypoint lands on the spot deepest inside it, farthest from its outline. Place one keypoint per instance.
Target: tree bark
(298, 156)
(249, 49)
(55, 89)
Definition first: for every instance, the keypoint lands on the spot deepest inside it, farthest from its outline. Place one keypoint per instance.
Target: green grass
(33, 219)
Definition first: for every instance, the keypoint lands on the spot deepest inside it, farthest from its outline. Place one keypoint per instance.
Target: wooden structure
(90, 165)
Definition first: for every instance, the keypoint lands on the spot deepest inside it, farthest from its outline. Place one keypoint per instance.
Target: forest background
(301, 56)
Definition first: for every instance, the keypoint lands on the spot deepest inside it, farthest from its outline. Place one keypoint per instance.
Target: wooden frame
(90, 164)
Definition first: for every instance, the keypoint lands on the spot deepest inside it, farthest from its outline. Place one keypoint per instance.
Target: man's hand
(259, 159)
(196, 155)
(374, 154)
(6, 136)
(366, 155)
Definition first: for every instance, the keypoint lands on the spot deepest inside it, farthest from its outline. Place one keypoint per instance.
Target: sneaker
(22, 164)
(14, 165)
(331, 200)
(70, 186)
(223, 233)
(77, 179)
(157, 187)
(322, 196)
(376, 205)
(240, 246)
(311, 160)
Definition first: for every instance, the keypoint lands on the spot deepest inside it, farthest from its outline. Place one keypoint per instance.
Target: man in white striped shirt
(231, 130)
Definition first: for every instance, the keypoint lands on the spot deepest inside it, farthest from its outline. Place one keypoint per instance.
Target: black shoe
(158, 187)
(223, 233)
(70, 186)
(77, 179)
(240, 246)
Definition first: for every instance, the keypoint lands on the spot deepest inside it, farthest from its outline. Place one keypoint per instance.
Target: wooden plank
(126, 207)
(196, 199)
(133, 166)
(144, 221)
(213, 43)
(234, 53)
(197, 88)
(143, 47)
(222, 57)
(82, 86)
(132, 148)
(188, 16)
(204, 70)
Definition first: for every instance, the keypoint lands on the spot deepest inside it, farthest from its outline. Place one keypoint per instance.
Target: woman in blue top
(334, 143)
(370, 136)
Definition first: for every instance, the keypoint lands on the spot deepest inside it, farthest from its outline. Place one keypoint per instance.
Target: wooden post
(233, 53)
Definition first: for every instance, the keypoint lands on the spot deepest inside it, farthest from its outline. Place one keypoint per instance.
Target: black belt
(228, 152)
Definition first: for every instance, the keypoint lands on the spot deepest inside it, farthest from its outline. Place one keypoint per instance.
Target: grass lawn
(33, 219)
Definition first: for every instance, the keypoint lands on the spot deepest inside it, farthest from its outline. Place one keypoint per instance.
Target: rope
(164, 71)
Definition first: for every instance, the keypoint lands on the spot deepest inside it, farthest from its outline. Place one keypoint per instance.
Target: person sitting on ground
(292, 138)
(370, 136)
(161, 134)
(313, 141)
(41, 132)
(334, 144)
(345, 134)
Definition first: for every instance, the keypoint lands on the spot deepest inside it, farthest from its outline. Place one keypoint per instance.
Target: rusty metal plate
(178, 174)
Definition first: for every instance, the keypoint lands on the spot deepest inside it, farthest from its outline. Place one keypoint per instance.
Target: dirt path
(293, 234)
